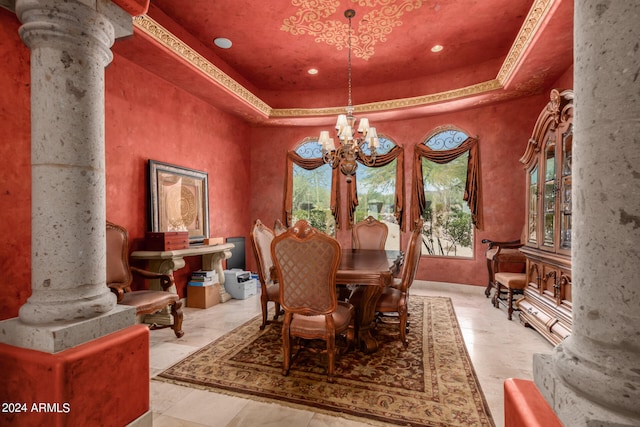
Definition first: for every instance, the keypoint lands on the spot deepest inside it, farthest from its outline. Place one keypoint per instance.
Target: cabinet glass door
(565, 203)
(532, 214)
(549, 193)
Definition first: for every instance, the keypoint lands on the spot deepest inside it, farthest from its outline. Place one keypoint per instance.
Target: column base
(572, 408)
(64, 335)
(102, 382)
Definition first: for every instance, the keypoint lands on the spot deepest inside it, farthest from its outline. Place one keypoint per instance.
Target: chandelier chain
(349, 150)
(349, 103)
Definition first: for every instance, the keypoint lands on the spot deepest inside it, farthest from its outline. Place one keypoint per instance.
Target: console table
(166, 262)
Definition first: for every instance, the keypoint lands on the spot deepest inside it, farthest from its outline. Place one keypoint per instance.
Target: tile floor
(499, 349)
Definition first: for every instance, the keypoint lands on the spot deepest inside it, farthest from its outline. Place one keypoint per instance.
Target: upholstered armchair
(369, 234)
(261, 238)
(506, 267)
(306, 262)
(120, 277)
(503, 256)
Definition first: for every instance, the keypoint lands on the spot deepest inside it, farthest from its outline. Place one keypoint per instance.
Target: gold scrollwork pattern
(374, 27)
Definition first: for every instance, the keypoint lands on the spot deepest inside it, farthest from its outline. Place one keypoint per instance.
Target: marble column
(70, 45)
(593, 377)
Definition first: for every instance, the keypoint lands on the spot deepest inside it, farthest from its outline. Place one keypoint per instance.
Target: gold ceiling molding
(529, 29)
(393, 104)
(182, 50)
(373, 27)
(536, 16)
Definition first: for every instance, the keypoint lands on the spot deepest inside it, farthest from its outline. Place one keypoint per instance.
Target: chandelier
(353, 140)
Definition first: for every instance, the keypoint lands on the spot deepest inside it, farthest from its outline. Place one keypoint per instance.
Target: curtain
(472, 191)
(308, 164)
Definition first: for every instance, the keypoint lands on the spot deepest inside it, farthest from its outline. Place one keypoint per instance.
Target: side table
(166, 262)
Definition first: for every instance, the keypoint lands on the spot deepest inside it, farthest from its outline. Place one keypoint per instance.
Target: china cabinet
(546, 305)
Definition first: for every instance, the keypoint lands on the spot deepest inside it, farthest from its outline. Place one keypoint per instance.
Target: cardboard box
(167, 241)
(203, 296)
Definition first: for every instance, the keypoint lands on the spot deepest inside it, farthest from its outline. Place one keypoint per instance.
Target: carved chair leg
(263, 303)
(403, 326)
(278, 311)
(286, 347)
(331, 356)
(176, 311)
(496, 295)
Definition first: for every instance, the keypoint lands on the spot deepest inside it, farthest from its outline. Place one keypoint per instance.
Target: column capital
(68, 26)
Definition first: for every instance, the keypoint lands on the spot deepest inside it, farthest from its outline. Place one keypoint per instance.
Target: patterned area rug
(432, 383)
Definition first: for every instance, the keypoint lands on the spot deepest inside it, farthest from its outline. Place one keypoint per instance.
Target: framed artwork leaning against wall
(179, 200)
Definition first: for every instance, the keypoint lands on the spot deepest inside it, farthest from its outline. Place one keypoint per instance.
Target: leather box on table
(167, 241)
(203, 296)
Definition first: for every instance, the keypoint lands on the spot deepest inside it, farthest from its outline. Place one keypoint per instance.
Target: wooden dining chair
(278, 227)
(366, 234)
(369, 234)
(306, 262)
(395, 298)
(261, 237)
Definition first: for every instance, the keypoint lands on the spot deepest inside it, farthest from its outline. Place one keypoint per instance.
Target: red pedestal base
(524, 406)
(103, 382)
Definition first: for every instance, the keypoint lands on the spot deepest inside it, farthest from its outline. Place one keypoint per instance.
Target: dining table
(373, 269)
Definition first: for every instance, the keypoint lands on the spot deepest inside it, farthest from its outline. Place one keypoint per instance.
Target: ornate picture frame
(179, 200)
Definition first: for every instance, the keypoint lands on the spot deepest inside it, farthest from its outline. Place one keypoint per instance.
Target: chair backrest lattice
(306, 263)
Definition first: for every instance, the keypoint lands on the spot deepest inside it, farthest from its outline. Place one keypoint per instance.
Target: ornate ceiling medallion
(312, 18)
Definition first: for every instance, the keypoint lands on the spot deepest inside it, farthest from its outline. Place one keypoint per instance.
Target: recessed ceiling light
(437, 48)
(222, 42)
(312, 71)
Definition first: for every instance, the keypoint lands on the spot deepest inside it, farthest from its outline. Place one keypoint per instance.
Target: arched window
(310, 181)
(308, 157)
(446, 192)
(376, 191)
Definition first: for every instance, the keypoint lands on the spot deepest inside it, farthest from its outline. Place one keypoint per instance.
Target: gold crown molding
(394, 104)
(538, 12)
(181, 49)
(536, 16)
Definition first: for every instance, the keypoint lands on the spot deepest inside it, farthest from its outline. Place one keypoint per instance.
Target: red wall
(503, 131)
(147, 118)
(15, 169)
